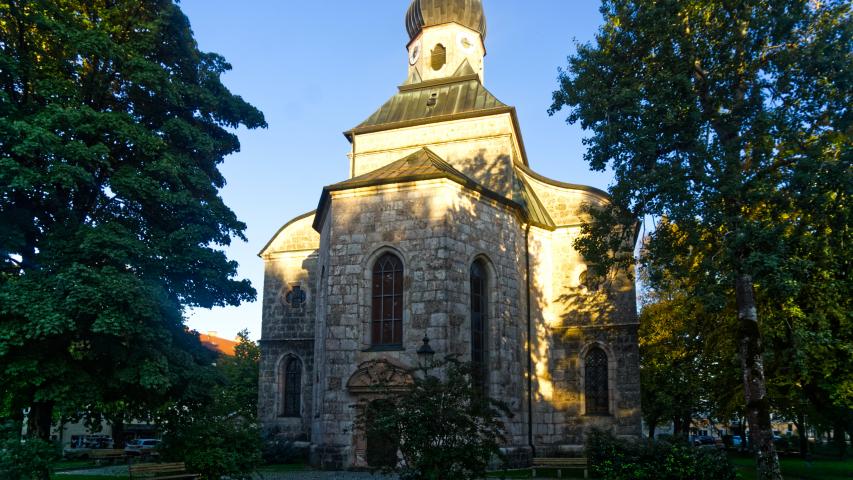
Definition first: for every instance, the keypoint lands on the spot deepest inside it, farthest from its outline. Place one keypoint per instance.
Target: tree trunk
(755, 388)
(118, 431)
(38, 426)
(801, 434)
(40, 420)
(838, 433)
(652, 428)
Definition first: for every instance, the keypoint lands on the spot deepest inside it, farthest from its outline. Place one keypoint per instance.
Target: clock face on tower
(415, 53)
(465, 41)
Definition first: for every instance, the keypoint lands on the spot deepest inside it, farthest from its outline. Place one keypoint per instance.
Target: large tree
(113, 125)
(712, 114)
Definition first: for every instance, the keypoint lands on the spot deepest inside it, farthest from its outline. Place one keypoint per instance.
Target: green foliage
(446, 428)
(213, 428)
(112, 127)
(688, 358)
(679, 364)
(729, 124)
(24, 460)
(241, 373)
(613, 459)
(213, 443)
(278, 450)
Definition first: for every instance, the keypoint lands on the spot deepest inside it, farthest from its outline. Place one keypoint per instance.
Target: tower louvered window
(292, 398)
(596, 383)
(387, 316)
(479, 308)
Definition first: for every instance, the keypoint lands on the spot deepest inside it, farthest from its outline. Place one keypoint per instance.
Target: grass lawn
(74, 464)
(798, 469)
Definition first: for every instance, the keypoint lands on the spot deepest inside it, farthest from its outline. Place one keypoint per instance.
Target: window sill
(385, 348)
(598, 415)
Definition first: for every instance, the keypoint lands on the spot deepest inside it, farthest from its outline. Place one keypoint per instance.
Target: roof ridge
(443, 164)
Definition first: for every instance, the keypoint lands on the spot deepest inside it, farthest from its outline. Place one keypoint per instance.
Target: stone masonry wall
(573, 315)
(288, 327)
(437, 229)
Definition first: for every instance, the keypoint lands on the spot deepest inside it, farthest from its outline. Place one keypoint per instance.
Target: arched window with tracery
(292, 391)
(479, 309)
(386, 326)
(596, 386)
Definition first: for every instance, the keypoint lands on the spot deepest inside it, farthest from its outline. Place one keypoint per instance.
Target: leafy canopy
(729, 122)
(112, 127)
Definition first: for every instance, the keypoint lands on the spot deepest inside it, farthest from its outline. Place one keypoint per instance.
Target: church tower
(445, 40)
(442, 231)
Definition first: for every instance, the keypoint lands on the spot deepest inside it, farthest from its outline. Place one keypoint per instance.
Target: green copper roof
(426, 165)
(421, 165)
(434, 101)
(523, 195)
(426, 13)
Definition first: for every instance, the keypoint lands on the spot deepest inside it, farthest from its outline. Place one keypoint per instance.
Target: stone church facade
(443, 231)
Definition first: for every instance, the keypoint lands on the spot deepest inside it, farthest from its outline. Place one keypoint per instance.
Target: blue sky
(319, 67)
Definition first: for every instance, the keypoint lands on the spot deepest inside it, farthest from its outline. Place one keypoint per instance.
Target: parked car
(98, 441)
(699, 440)
(141, 446)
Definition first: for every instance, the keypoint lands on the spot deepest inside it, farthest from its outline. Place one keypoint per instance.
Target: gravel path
(307, 475)
(114, 470)
(322, 476)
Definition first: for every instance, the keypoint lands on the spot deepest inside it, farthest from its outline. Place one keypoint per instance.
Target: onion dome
(426, 13)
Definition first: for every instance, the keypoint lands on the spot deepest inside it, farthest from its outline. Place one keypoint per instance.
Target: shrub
(213, 445)
(25, 460)
(445, 428)
(614, 459)
(278, 450)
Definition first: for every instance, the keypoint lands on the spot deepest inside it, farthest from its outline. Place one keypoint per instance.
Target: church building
(444, 236)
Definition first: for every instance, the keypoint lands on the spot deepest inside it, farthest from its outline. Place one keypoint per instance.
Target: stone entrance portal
(381, 449)
(373, 381)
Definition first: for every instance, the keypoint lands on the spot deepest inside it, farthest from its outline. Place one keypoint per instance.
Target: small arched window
(292, 391)
(479, 309)
(596, 383)
(386, 326)
(439, 57)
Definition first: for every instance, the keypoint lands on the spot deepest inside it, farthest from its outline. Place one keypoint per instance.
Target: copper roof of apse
(426, 13)
(424, 164)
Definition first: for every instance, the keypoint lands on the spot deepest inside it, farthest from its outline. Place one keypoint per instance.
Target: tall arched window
(292, 391)
(386, 327)
(479, 309)
(596, 383)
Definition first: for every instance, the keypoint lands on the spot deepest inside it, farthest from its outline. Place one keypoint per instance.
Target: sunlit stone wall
(437, 229)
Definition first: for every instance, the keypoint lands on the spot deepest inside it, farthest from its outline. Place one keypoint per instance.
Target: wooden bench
(560, 463)
(160, 471)
(104, 454)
